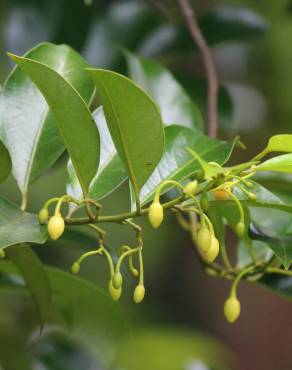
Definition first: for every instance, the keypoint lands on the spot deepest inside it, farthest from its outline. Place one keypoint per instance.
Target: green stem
(238, 278)
(163, 184)
(124, 255)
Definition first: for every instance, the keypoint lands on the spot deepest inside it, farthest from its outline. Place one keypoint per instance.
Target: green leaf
(110, 173)
(232, 23)
(79, 307)
(261, 251)
(281, 163)
(177, 163)
(17, 226)
(73, 117)
(29, 128)
(280, 245)
(5, 163)
(134, 123)
(172, 349)
(280, 143)
(279, 284)
(35, 277)
(175, 104)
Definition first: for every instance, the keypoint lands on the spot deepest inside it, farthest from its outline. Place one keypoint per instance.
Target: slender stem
(274, 270)
(208, 64)
(224, 256)
(24, 201)
(119, 217)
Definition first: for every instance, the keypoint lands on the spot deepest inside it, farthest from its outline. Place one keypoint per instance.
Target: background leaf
(75, 122)
(110, 173)
(134, 123)
(35, 277)
(5, 163)
(175, 104)
(177, 163)
(28, 126)
(17, 226)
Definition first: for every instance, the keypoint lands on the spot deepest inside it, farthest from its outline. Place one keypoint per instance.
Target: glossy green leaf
(29, 128)
(35, 277)
(281, 163)
(261, 251)
(175, 104)
(172, 349)
(110, 173)
(177, 163)
(73, 117)
(280, 284)
(5, 163)
(281, 245)
(134, 123)
(17, 226)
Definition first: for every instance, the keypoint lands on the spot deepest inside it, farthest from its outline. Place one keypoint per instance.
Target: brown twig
(208, 64)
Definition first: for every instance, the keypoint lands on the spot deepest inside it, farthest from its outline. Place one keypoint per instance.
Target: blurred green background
(251, 44)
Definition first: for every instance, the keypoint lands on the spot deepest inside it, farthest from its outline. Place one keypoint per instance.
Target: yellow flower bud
(191, 187)
(240, 229)
(113, 292)
(139, 293)
(117, 280)
(220, 194)
(252, 196)
(2, 253)
(232, 309)
(155, 214)
(204, 239)
(56, 226)
(43, 216)
(213, 251)
(75, 268)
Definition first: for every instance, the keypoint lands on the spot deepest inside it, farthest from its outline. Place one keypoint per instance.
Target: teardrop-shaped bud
(221, 194)
(117, 280)
(191, 187)
(113, 292)
(240, 229)
(155, 214)
(75, 268)
(43, 216)
(213, 251)
(139, 293)
(56, 226)
(204, 239)
(232, 309)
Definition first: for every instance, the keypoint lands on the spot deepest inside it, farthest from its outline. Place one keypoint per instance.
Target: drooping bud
(117, 280)
(221, 194)
(232, 309)
(204, 239)
(213, 251)
(2, 253)
(240, 229)
(43, 216)
(191, 187)
(75, 268)
(113, 292)
(139, 293)
(56, 226)
(155, 214)
(252, 196)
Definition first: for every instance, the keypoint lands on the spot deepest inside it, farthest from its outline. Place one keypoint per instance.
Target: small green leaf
(211, 169)
(28, 127)
(73, 117)
(5, 163)
(280, 143)
(178, 164)
(17, 226)
(281, 163)
(110, 173)
(175, 104)
(134, 123)
(35, 277)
